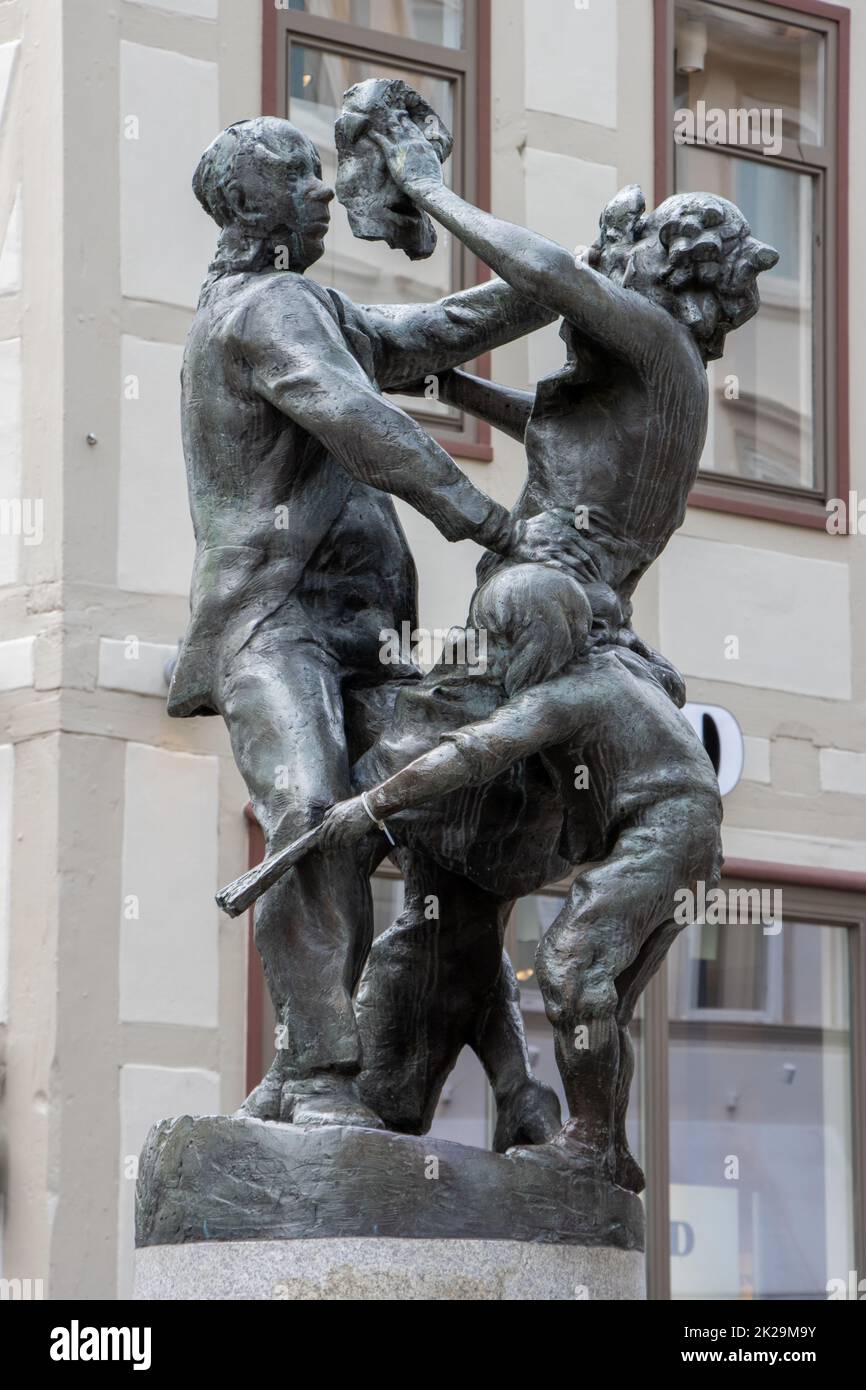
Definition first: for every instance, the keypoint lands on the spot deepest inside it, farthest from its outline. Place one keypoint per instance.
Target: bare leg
(584, 960)
(630, 985)
(595, 937)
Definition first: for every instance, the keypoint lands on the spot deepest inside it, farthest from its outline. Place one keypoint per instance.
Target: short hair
(257, 142)
(542, 614)
(713, 261)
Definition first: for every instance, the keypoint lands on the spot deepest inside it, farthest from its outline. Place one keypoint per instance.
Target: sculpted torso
(623, 441)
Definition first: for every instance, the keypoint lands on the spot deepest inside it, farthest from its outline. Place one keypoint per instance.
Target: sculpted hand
(344, 825)
(548, 538)
(412, 161)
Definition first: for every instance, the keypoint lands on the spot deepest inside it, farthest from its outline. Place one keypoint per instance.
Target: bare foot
(569, 1154)
(531, 1115)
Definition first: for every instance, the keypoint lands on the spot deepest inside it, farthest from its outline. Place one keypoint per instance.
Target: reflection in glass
(732, 60)
(388, 896)
(430, 21)
(760, 1112)
(762, 393)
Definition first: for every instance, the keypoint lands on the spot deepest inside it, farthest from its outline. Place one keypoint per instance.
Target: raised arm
(617, 319)
(414, 340)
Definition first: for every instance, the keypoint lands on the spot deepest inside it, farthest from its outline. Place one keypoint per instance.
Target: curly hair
(709, 283)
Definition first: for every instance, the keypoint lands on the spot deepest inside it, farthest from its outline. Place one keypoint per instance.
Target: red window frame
(478, 443)
(726, 499)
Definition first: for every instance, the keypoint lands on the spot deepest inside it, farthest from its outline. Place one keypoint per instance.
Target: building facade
(125, 995)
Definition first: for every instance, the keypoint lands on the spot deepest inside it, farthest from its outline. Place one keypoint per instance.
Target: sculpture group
(565, 747)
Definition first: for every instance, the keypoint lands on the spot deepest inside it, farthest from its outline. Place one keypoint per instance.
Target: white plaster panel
(756, 759)
(10, 455)
(149, 1094)
(805, 851)
(10, 255)
(7, 769)
(842, 771)
(168, 953)
(167, 240)
(139, 667)
(571, 59)
(155, 545)
(17, 657)
(8, 54)
(564, 199)
(790, 616)
(196, 9)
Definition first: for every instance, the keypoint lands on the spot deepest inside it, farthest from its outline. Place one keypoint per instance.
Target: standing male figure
(291, 451)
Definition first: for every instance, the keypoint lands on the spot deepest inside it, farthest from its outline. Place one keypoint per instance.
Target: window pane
(760, 1124)
(762, 392)
(721, 969)
(430, 21)
(388, 895)
(369, 272)
(731, 60)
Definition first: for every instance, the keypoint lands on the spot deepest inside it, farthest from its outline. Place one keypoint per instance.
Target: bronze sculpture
(465, 776)
(291, 452)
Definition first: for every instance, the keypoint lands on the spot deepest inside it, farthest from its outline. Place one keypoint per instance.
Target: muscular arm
(414, 340)
(618, 320)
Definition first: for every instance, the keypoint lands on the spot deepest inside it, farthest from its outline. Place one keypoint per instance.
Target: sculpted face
(261, 180)
(287, 185)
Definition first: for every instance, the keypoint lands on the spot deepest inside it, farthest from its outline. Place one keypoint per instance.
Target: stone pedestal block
(388, 1269)
(230, 1207)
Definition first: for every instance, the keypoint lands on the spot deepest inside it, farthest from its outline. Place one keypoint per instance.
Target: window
(755, 109)
(314, 51)
(760, 1111)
